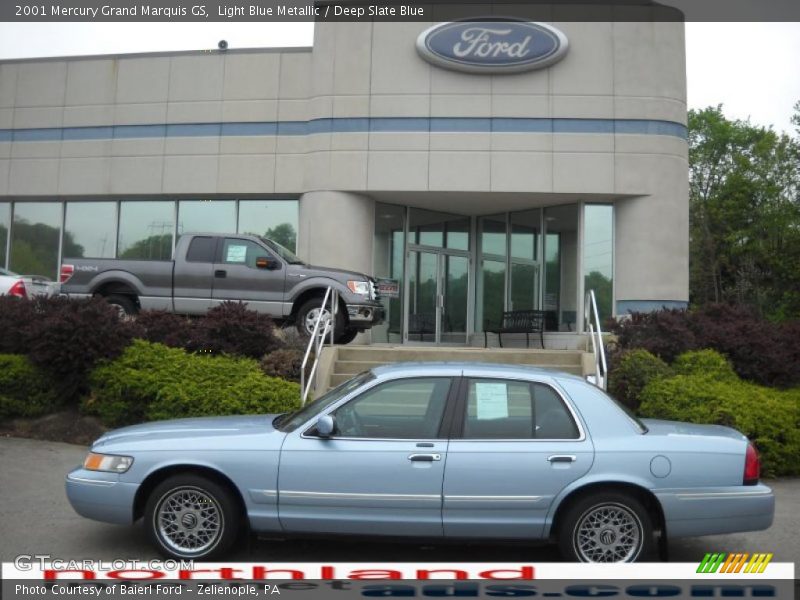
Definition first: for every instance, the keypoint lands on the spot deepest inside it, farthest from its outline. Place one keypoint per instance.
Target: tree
(284, 234)
(745, 214)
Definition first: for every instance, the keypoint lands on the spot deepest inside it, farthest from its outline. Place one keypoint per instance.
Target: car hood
(340, 275)
(198, 430)
(659, 427)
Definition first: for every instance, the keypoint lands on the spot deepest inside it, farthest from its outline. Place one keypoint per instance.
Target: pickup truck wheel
(124, 304)
(189, 516)
(308, 314)
(606, 527)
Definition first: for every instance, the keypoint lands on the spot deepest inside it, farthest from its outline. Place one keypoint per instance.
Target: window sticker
(236, 254)
(492, 400)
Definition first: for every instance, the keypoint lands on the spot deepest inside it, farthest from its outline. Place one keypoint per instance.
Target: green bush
(634, 369)
(768, 417)
(25, 390)
(154, 382)
(705, 362)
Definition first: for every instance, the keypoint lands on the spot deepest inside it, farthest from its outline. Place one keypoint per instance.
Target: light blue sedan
(431, 451)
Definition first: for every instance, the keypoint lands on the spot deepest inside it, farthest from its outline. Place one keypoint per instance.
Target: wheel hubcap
(313, 315)
(608, 533)
(189, 520)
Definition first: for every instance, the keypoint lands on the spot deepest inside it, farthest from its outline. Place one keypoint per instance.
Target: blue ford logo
(505, 46)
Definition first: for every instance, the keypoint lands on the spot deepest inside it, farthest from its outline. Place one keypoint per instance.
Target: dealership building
(479, 166)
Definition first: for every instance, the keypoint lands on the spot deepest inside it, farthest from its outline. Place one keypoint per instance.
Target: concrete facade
(360, 118)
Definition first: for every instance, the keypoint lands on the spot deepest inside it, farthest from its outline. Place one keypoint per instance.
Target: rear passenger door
(237, 276)
(516, 445)
(193, 278)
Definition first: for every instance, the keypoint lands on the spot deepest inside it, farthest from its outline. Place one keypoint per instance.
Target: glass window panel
(493, 235)
(525, 230)
(242, 252)
(389, 264)
(561, 267)
(201, 250)
(90, 230)
(524, 286)
(598, 255)
(34, 238)
(146, 229)
(437, 229)
(403, 409)
(5, 225)
(273, 219)
(206, 216)
(492, 293)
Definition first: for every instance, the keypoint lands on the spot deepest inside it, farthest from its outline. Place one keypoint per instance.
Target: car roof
(470, 369)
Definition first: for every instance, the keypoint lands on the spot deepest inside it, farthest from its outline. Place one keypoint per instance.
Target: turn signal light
(66, 273)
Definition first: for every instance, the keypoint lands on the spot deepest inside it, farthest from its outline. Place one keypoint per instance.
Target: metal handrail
(596, 335)
(317, 340)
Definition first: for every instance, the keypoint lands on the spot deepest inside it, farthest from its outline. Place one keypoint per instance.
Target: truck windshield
(291, 421)
(284, 253)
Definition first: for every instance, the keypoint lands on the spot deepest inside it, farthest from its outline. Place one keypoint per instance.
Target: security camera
(222, 45)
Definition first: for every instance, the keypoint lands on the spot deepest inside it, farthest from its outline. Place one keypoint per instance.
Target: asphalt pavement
(36, 518)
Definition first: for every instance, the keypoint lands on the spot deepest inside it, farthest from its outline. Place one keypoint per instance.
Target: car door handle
(424, 457)
(220, 274)
(559, 458)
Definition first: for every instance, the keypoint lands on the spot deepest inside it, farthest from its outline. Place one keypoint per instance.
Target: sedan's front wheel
(606, 527)
(189, 516)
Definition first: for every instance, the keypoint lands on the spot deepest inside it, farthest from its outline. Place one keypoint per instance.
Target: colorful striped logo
(741, 562)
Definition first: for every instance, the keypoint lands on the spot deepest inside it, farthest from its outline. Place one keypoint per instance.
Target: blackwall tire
(307, 315)
(124, 304)
(606, 527)
(191, 517)
(347, 336)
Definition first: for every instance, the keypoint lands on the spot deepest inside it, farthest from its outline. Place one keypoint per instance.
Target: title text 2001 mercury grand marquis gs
(432, 451)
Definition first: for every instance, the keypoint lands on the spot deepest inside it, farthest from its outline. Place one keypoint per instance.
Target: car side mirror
(269, 264)
(326, 425)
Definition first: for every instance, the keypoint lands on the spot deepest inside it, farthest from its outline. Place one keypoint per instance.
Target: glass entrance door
(437, 301)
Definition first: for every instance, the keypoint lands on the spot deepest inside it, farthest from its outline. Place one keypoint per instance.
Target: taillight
(66, 273)
(752, 465)
(18, 290)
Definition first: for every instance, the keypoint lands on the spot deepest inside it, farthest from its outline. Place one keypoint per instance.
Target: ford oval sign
(502, 46)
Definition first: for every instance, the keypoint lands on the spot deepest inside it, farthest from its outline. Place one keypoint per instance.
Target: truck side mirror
(270, 264)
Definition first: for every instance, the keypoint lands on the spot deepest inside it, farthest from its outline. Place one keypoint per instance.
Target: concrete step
(338, 376)
(384, 354)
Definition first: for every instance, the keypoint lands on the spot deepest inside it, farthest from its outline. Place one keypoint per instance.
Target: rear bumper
(101, 496)
(364, 316)
(711, 511)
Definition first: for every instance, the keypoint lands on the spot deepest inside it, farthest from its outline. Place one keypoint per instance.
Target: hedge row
(25, 390)
(153, 382)
(760, 351)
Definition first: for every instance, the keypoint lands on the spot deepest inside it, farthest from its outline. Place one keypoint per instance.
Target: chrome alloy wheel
(608, 533)
(189, 521)
(313, 315)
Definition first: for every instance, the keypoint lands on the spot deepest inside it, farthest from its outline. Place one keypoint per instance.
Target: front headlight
(359, 287)
(110, 463)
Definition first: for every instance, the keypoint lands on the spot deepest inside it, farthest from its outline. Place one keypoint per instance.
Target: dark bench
(518, 321)
(420, 324)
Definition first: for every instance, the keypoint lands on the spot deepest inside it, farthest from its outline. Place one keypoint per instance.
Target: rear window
(201, 250)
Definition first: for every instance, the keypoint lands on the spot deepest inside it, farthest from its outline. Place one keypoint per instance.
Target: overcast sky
(753, 69)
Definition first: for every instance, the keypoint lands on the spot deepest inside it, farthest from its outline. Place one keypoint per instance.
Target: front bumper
(711, 511)
(364, 316)
(101, 496)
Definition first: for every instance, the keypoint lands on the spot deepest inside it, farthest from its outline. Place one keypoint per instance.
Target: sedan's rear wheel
(606, 527)
(189, 516)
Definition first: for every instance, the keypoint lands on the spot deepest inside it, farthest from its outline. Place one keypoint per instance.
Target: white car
(26, 286)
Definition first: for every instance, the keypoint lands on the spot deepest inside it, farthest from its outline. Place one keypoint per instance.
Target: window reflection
(441, 230)
(146, 230)
(5, 225)
(389, 264)
(272, 219)
(206, 216)
(598, 255)
(561, 267)
(34, 238)
(90, 230)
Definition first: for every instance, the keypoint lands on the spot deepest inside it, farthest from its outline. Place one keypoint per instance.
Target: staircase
(346, 361)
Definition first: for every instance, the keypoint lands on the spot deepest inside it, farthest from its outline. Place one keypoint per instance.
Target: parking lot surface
(35, 518)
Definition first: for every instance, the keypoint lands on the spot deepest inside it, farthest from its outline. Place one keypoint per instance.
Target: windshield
(291, 421)
(284, 253)
(629, 413)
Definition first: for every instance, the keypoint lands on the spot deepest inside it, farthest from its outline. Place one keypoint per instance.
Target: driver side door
(382, 470)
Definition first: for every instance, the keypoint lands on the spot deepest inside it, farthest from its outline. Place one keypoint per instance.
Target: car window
(242, 252)
(403, 409)
(201, 250)
(514, 410)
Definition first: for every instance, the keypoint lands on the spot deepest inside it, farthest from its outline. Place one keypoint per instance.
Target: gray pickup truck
(209, 269)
